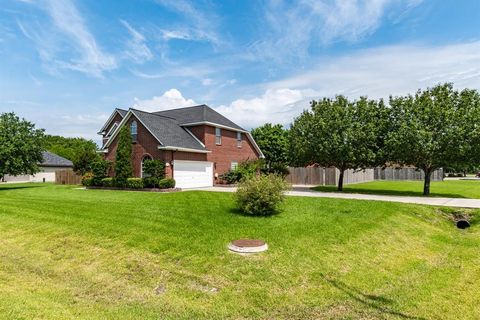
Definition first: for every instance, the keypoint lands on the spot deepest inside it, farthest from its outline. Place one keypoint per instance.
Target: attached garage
(193, 174)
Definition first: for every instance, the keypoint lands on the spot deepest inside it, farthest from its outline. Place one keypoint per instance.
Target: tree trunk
(426, 183)
(340, 180)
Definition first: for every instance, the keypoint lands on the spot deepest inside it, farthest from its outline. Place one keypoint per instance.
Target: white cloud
(68, 36)
(198, 25)
(296, 27)
(137, 49)
(400, 69)
(278, 105)
(170, 99)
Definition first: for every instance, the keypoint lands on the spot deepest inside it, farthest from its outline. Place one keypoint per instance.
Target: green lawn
(447, 188)
(78, 254)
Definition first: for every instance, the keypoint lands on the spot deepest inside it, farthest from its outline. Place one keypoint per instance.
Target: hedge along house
(196, 143)
(50, 164)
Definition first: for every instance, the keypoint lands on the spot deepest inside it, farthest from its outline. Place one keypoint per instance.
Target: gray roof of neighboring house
(53, 160)
(201, 113)
(168, 130)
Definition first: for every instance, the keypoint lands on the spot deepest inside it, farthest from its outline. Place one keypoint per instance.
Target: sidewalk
(304, 191)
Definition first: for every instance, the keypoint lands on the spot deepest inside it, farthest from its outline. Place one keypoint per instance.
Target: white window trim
(219, 142)
(239, 141)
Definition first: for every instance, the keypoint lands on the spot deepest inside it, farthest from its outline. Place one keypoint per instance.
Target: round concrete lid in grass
(247, 246)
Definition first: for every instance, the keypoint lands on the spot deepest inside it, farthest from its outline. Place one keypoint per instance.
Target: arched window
(133, 130)
(145, 158)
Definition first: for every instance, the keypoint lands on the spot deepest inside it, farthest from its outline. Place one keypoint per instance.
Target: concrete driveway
(304, 191)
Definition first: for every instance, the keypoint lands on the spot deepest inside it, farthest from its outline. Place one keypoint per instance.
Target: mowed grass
(91, 254)
(447, 188)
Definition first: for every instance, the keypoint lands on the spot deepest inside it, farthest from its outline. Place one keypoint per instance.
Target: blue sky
(65, 64)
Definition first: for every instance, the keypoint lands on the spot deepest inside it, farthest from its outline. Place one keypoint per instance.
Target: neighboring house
(196, 143)
(50, 164)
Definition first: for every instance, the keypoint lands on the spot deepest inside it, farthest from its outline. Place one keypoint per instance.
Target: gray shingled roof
(122, 112)
(201, 113)
(168, 130)
(53, 160)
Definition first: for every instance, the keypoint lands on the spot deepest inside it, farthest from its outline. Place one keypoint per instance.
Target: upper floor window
(239, 139)
(133, 131)
(218, 136)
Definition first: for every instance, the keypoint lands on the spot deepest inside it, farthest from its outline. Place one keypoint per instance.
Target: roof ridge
(155, 114)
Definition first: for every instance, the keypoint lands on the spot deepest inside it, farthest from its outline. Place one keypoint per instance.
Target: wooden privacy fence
(326, 176)
(405, 174)
(67, 177)
(329, 176)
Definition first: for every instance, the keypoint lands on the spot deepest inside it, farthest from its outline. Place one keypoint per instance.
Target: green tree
(123, 157)
(21, 146)
(273, 141)
(339, 133)
(80, 151)
(437, 127)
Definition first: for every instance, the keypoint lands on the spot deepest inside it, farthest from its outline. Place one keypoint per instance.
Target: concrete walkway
(304, 191)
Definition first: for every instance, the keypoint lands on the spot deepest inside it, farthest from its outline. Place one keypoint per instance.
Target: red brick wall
(146, 145)
(223, 155)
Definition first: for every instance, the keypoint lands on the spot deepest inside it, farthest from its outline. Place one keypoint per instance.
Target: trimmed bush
(150, 182)
(154, 168)
(231, 177)
(261, 195)
(99, 170)
(166, 183)
(108, 182)
(135, 183)
(87, 179)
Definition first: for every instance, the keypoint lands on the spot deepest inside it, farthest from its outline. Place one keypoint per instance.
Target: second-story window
(133, 131)
(239, 139)
(218, 136)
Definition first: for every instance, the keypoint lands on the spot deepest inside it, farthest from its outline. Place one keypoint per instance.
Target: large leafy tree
(273, 141)
(339, 133)
(437, 127)
(81, 152)
(123, 158)
(21, 146)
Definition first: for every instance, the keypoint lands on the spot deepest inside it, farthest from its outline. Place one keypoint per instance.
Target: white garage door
(193, 174)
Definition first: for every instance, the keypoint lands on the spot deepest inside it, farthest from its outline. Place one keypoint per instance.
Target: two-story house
(196, 143)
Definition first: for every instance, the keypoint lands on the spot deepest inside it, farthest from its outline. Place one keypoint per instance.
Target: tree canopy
(273, 141)
(437, 127)
(339, 133)
(80, 151)
(21, 146)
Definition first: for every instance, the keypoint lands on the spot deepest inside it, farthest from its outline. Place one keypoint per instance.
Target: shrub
(150, 182)
(154, 168)
(123, 157)
(261, 195)
(134, 183)
(99, 170)
(87, 179)
(277, 168)
(246, 169)
(108, 182)
(230, 177)
(166, 183)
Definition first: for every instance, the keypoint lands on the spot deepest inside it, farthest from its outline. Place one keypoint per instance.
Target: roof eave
(172, 148)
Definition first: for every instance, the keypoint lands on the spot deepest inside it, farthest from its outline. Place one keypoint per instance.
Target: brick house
(196, 143)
